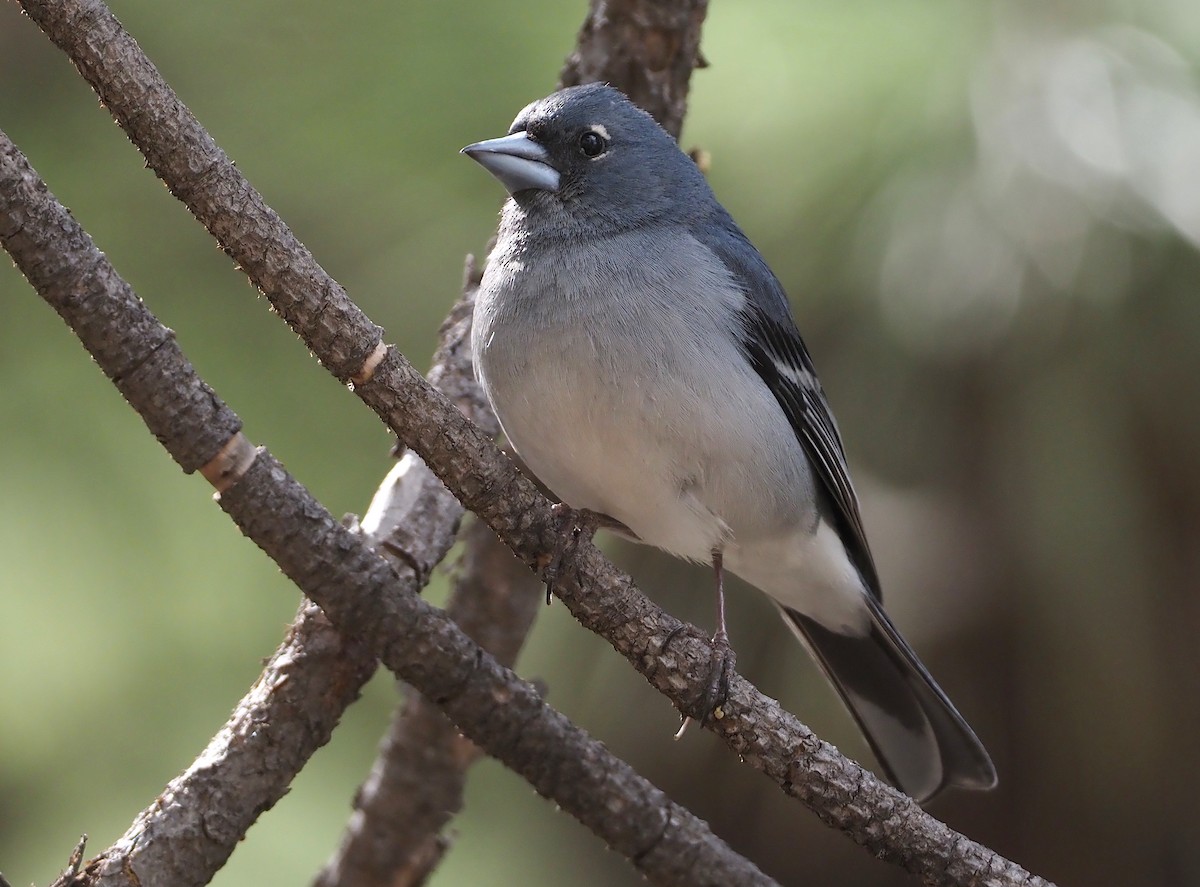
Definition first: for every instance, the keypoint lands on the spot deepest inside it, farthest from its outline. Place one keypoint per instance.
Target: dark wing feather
(773, 346)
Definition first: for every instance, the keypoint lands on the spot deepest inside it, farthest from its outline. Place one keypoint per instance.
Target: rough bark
(395, 837)
(646, 49)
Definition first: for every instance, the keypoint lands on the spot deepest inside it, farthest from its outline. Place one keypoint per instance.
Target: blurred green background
(987, 216)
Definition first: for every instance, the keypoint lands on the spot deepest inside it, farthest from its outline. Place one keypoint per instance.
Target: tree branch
(356, 588)
(188, 832)
(646, 49)
(839, 791)
(394, 838)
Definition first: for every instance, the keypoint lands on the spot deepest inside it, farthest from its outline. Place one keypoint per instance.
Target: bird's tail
(920, 739)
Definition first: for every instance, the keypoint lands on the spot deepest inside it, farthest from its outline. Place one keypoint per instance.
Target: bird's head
(588, 158)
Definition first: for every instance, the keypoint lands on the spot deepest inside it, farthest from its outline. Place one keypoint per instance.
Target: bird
(643, 361)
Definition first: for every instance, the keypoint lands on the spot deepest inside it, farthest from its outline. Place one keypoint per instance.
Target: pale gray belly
(680, 441)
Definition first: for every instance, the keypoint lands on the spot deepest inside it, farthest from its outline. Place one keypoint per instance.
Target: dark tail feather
(920, 739)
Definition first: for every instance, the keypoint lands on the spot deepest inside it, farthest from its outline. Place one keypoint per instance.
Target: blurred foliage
(987, 216)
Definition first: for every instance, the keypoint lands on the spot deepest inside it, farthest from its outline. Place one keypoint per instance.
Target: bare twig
(647, 49)
(839, 791)
(74, 863)
(356, 588)
(190, 829)
(394, 838)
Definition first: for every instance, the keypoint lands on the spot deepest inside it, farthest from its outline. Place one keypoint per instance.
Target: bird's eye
(592, 143)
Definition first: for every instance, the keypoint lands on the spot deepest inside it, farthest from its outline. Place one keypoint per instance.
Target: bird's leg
(721, 637)
(576, 526)
(722, 662)
(722, 653)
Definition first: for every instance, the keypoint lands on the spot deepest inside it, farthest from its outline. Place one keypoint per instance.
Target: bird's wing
(772, 345)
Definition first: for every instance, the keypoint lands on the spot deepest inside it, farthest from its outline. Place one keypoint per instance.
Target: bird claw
(721, 666)
(576, 526)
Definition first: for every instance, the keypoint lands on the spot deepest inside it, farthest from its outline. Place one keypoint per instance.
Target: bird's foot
(576, 527)
(716, 688)
(721, 666)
